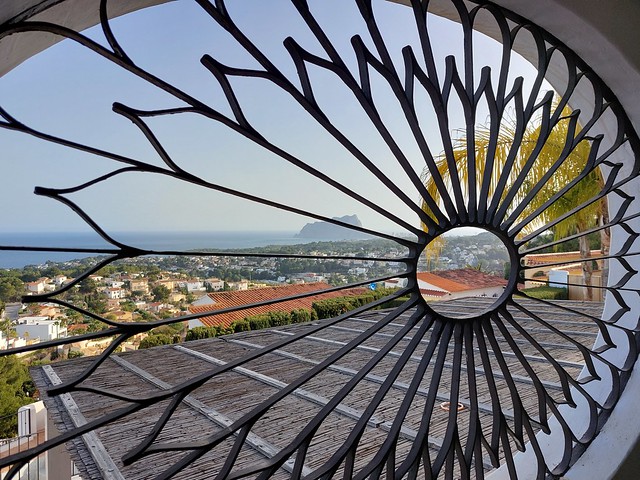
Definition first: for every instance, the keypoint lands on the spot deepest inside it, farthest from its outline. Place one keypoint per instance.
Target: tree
(11, 288)
(128, 306)
(14, 393)
(157, 340)
(433, 251)
(88, 286)
(96, 303)
(554, 147)
(161, 293)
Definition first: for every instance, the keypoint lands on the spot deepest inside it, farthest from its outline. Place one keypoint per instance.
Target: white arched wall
(605, 36)
(75, 14)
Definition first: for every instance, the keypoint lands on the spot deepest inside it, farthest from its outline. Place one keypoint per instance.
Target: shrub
(396, 302)
(300, 315)
(198, 333)
(258, 322)
(546, 293)
(278, 319)
(241, 326)
(156, 340)
(332, 307)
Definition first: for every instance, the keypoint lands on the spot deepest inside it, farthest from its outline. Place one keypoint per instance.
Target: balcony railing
(27, 438)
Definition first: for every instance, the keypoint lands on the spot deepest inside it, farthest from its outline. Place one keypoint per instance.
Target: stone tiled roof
(223, 300)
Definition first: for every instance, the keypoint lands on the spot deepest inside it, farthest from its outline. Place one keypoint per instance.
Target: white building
(192, 285)
(60, 280)
(241, 285)
(116, 293)
(214, 284)
(40, 327)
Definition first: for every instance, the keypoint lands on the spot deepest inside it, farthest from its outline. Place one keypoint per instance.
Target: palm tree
(433, 251)
(525, 202)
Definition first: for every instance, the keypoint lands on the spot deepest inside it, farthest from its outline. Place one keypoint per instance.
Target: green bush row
(159, 339)
(322, 309)
(546, 293)
(332, 307)
(254, 322)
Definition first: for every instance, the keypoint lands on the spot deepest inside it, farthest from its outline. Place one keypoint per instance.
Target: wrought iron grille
(486, 365)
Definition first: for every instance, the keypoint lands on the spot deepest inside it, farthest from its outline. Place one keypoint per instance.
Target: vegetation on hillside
(16, 390)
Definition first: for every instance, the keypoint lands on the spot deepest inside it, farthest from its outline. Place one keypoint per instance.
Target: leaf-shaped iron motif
(398, 392)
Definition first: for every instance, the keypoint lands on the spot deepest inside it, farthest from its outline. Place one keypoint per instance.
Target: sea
(164, 241)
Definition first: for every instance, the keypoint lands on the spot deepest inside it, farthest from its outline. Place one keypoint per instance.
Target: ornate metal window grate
(369, 393)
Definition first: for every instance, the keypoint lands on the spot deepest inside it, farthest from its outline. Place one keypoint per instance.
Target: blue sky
(69, 91)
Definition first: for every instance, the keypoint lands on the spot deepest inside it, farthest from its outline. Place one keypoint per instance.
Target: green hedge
(156, 340)
(258, 322)
(241, 326)
(321, 309)
(333, 307)
(301, 315)
(546, 293)
(198, 333)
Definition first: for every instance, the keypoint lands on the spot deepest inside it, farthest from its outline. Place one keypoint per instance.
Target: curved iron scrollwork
(487, 365)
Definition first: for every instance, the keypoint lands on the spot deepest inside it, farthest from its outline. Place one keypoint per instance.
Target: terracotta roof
(441, 282)
(246, 297)
(461, 279)
(432, 293)
(556, 257)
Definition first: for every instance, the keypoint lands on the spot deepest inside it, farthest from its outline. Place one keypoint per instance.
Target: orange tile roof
(461, 280)
(432, 293)
(246, 297)
(555, 257)
(441, 282)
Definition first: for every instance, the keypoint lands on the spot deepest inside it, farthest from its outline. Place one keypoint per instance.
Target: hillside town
(148, 289)
(153, 288)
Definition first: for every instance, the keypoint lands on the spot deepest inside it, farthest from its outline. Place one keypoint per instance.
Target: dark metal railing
(456, 358)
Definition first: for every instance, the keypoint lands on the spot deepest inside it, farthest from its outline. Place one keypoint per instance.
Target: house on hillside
(40, 327)
(240, 286)
(36, 287)
(139, 285)
(192, 285)
(461, 283)
(214, 284)
(116, 293)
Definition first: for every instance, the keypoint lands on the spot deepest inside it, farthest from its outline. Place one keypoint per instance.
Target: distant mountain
(329, 231)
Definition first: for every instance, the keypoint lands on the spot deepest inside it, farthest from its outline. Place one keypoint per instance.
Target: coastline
(157, 241)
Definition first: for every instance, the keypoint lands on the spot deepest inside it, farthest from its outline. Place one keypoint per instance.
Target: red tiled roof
(472, 278)
(555, 257)
(441, 282)
(432, 293)
(246, 297)
(461, 279)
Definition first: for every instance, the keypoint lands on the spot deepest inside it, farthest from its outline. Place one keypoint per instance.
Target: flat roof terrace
(406, 395)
